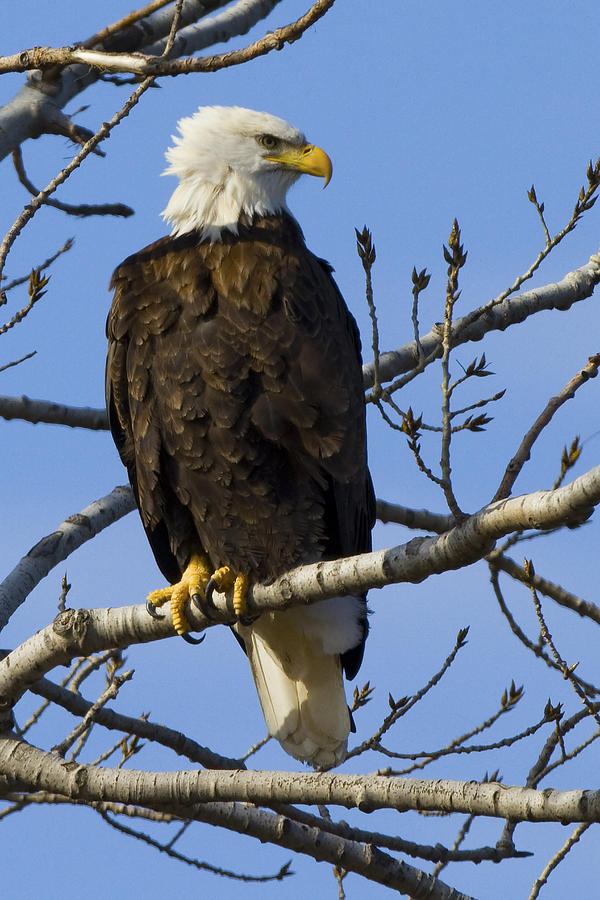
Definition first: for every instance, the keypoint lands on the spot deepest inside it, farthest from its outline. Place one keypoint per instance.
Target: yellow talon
(193, 581)
(178, 616)
(193, 584)
(159, 597)
(223, 579)
(240, 589)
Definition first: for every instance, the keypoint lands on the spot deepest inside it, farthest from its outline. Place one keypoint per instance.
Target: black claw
(151, 610)
(197, 600)
(191, 640)
(247, 620)
(206, 604)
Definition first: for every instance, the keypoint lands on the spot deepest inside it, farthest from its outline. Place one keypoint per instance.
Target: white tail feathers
(294, 657)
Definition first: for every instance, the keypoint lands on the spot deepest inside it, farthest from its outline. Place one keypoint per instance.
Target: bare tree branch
(34, 411)
(556, 860)
(49, 57)
(86, 631)
(555, 591)
(55, 547)
(523, 453)
(195, 863)
(62, 176)
(178, 791)
(82, 209)
(143, 728)
(34, 110)
(575, 286)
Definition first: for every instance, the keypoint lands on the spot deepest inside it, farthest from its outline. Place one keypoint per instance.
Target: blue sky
(428, 111)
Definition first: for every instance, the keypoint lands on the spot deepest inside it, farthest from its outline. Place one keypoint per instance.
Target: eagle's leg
(192, 585)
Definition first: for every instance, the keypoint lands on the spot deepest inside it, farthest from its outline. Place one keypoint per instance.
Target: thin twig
(37, 283)
(88, 147)
(420, 280)
(195, 863)
(48, 262)
(144, 729)
(587, 687)
(108, 694)
(464, 830)
(255, 748)
(566, 670)
(17, 362)
(584, 202)
(400, 707)
(557, 859)
(456, 258)
(81, 209)
(339, 874)
(550, 589)
(126, 22)
(366, 251)
(590, 370)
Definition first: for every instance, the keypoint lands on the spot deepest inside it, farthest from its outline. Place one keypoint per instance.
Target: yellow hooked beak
(308, 159)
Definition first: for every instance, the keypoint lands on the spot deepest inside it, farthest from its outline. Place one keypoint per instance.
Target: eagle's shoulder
(155, 252)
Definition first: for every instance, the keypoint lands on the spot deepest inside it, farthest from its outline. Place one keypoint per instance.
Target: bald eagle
(235, 398)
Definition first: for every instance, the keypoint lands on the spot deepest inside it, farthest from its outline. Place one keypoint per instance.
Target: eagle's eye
(267, 141)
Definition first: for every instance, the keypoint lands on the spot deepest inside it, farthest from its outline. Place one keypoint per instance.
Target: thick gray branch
(81, 632)
(464, 544)
(176, 791)
(237, 20)
(36, 108)
(44, 771)
(575, 286)
(55, 547)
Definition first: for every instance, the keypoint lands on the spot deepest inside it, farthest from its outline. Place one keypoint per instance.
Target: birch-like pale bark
(177, 791)
(81, 632)
(36, 108)
(40, 769)
(575, 286)
(55, 547)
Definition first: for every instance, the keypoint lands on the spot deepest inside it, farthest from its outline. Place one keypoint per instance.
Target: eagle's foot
(191, 586)
(220, 580)
(224, 579)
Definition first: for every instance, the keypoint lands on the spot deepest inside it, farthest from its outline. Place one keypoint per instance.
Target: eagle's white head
(231, 161)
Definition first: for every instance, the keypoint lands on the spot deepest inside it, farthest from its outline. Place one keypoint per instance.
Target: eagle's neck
(211, 207)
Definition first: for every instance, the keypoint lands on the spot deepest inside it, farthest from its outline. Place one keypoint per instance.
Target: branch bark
(34, 411)
(177, 791)
(41, 58)
(67, 71)
(575, 286)
(55, 547)
(34, 109)
(81, 632)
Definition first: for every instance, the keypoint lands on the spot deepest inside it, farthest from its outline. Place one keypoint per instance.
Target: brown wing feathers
(235, 399)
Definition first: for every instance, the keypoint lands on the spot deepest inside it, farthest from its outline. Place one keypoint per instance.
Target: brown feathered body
(235, 397)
